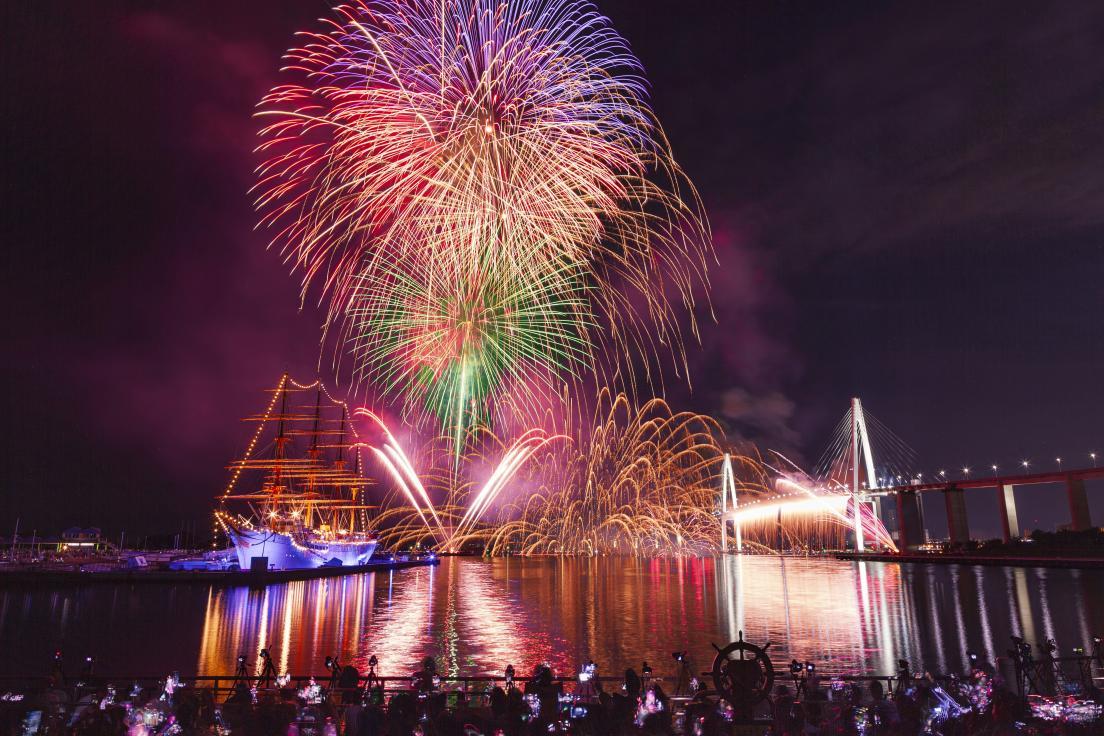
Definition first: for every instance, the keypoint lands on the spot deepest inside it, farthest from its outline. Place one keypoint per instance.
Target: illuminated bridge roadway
(910, 531)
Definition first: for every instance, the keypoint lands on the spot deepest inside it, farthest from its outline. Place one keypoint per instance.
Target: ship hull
(285, 552)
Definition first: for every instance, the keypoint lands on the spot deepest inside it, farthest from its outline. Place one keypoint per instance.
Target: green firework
(465, 345)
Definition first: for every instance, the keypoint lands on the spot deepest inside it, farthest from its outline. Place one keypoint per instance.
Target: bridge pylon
(860, 446)
(728, 492)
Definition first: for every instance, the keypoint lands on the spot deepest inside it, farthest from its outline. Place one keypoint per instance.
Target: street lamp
(1093, 456)
(1059, 461)
(994, 467)
(1025, 463)
(966, 471)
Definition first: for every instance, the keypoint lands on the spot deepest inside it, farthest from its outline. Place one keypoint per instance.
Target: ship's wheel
(743, 675)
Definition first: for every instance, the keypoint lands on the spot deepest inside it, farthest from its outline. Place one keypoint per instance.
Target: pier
(227, 578)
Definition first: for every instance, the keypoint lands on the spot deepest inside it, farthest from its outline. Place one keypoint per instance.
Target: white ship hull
(299, 551)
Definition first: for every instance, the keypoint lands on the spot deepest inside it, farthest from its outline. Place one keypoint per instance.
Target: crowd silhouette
(349, 704)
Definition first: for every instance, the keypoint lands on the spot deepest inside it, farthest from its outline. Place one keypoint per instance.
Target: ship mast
(279, 450)
(313, 454)
(339, 463)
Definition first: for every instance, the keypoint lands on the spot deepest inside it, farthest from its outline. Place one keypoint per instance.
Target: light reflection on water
(477, 616)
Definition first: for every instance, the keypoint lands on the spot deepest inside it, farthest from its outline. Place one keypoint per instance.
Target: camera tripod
(268, 671)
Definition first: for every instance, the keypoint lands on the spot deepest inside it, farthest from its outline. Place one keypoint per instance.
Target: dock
(222, 578)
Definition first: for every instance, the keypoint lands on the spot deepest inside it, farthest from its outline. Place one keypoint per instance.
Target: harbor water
(476, 616)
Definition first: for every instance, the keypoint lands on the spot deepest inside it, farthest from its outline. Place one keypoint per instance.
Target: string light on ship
(248, 453)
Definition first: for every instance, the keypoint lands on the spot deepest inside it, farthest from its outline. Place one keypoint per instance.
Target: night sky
(908, 206)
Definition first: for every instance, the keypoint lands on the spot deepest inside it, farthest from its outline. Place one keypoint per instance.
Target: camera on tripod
(1024, 662)
(268, 670)
(1020, 651)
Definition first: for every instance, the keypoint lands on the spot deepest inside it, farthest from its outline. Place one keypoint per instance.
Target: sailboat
(295, 498)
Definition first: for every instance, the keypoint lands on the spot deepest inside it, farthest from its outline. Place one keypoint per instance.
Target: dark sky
(907, 200)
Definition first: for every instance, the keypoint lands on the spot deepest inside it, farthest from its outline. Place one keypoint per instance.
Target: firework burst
(640, 481)
(476, 148)
(454, 346)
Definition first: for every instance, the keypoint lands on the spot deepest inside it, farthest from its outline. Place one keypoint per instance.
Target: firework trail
(409, 507)
(478, 190)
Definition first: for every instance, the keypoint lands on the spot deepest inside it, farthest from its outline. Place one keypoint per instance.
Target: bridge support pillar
(1006, 502)
(881, 506)
(909, 529)
(957, 524)
(1078, 504)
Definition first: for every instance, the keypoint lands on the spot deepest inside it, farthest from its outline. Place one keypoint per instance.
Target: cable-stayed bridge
(865, 483)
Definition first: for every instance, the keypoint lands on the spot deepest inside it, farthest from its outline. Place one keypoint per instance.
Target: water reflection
(477, 616)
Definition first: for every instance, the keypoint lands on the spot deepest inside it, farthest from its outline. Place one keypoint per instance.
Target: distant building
(74, 540)
(85, 539)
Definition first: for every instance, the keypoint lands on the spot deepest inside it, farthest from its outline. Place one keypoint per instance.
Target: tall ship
(295, 499)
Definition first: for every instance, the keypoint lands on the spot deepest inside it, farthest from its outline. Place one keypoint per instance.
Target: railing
(471, 686)
(480, 686)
